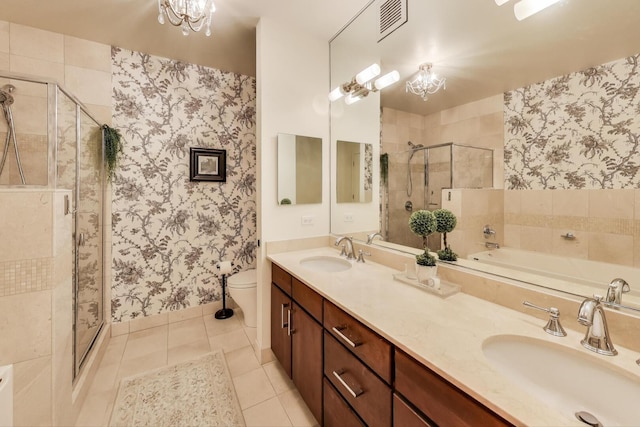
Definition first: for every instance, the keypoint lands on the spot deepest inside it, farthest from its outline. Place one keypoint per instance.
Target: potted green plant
(285, 201)
(112, 149)
(423, 223)
(446, 222)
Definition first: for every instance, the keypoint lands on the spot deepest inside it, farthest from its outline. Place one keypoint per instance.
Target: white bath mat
(194, 393)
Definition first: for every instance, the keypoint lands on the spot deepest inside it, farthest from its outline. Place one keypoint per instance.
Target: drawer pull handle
(290, 330)
(358, 391)
(338, 331)
(282, 306)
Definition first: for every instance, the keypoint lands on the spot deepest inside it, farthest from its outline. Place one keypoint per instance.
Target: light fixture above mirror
(362, 84)
(187, 14)
(426, 82)
(525, 8)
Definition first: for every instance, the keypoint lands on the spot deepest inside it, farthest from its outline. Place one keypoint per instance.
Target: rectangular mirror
(299, 169)
(543, 110)
(354, 172)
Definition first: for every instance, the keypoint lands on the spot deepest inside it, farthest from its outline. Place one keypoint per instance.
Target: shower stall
(51, 142)
(415, 180)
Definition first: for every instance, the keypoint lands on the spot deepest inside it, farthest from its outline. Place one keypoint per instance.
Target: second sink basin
(326, 264)
(566, 379)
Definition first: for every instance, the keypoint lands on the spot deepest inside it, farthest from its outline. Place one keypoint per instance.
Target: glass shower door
(89, 235)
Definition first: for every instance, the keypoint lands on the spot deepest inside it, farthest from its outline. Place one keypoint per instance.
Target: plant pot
(424, 273)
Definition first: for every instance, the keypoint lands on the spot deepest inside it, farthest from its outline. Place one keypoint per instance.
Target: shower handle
(81, 239)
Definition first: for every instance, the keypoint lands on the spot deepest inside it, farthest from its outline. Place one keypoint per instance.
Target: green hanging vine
(384, 167)
(112, 149)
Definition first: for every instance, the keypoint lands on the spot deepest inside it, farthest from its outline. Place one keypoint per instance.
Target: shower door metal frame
(78, 362)
(52, 183)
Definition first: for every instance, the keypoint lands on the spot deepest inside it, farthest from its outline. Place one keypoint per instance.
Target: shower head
(5, 94)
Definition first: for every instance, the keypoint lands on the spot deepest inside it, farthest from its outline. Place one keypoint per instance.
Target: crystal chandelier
(426, 82)
(187, 14)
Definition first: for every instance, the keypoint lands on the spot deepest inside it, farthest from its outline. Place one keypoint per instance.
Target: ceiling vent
(393, 14)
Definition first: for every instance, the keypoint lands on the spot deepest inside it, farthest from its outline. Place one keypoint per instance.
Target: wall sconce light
(426, 82)
(362, 84)
(525, 8)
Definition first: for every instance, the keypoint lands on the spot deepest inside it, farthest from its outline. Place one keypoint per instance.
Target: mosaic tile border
(25, 276)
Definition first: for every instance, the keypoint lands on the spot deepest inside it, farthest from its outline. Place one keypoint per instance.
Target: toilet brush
(225, 312)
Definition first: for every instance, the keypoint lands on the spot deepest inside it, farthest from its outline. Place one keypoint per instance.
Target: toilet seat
(245, 279)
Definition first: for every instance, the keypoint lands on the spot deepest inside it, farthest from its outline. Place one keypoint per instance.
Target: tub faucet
(617, 287)
(491, 245)
(597, 339)
(350, 253)
(372, 236)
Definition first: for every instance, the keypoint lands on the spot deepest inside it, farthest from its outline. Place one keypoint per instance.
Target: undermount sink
(326, 264)
(566, 379)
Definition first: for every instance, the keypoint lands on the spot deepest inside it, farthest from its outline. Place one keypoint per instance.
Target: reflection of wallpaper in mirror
(577, 131)
(354, 179)
(299, 169)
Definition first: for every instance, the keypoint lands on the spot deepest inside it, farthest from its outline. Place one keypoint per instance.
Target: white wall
(292, 70)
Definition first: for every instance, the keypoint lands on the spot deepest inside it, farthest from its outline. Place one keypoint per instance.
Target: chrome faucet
(553, 326)
(591, 315)
(372, 236)
(617, 287)
(491, 245)
(350, 253)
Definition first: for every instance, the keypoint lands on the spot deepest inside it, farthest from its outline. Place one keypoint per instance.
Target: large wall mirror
(537, 135)
(299, 169)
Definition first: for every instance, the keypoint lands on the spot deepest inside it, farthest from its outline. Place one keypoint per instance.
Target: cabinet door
(280, 338)
(307, 359)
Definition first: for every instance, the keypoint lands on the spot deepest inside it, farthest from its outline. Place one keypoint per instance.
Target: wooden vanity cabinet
(336, 411)
(280, 335)
(368, 346)
(296, 335)
(364, 391)
(405, 416)
(439, 400)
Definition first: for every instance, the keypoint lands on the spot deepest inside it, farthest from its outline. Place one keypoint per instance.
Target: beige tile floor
(266, 395)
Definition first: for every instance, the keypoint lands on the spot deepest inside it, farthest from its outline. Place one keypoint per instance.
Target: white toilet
(243, 289)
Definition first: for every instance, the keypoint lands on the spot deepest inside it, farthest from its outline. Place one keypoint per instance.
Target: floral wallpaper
(577, 131)
(168, 232)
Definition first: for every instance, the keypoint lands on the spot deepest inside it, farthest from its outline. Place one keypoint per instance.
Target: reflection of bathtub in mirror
(582, 277)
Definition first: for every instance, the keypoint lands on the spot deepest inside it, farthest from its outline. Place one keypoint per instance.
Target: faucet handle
(553, 326)
(343, 252)
(361, 255)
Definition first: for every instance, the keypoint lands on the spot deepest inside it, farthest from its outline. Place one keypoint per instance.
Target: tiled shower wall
(169, 232)
(35, 284)
(36, 304)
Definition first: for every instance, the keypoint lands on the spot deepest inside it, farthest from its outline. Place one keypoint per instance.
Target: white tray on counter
(446, 288)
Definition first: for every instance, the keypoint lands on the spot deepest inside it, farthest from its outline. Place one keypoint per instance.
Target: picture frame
(207, 164)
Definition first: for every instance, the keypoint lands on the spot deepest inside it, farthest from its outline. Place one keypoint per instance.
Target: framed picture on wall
(208, 164)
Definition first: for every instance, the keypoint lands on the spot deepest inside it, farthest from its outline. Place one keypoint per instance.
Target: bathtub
(585, 273)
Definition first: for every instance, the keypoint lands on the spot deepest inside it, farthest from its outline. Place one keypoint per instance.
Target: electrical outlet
(307, 220)
(348, 217)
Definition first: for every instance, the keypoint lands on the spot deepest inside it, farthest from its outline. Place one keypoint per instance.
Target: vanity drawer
(281, 278)
(336, 411)
(308, 299)
(405, 416)
(361, 388)
(439, 400)
(371, 348)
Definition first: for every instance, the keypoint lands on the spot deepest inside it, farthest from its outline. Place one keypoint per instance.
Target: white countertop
(444, 334)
